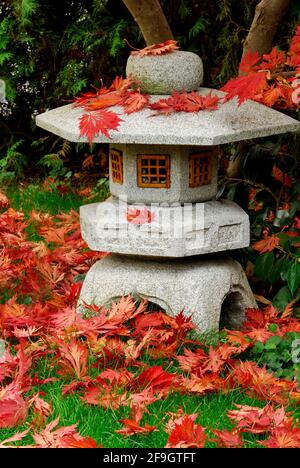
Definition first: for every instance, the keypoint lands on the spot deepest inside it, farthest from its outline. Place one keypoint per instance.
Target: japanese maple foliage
(271, 79)
(157, 49)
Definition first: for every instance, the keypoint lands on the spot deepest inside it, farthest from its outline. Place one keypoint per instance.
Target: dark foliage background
(50, 51)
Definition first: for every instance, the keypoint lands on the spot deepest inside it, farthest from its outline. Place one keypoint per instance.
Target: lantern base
(210, 289)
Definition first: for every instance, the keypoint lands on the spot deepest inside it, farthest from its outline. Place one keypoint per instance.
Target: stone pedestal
(209, 289)
(175, 231)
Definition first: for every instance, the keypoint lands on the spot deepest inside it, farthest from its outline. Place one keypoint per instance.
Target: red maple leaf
(13, 408)
(157, 49)
(228, 439)
(249, 62)
(104, 100)
(73, 359)
(259, 420)
(186, 434)
(58, 438)
(281, 177)
(245, 87)
(295, 43)
(121, 84)
(272, 95)
(77, 441)
(185, 102)
(154, 378)
(273, 61)
(139, 216)
(101, 121)
(283, 438)
(134, 102)
(267, 244)
(132, 425)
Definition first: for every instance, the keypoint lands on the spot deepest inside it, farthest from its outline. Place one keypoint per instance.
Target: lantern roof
(229, 123)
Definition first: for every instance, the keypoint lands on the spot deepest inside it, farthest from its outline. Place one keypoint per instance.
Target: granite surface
(229, 123)
(162, 74)
(175, 231)
(179, 190)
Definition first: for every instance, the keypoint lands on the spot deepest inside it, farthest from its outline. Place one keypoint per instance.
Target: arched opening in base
(232, 311)
(153, 304)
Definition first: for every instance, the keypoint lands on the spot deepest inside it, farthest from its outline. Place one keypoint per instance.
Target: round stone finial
(162, 74)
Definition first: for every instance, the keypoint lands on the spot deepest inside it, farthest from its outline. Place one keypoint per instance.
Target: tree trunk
(151, 20)
(268, 15)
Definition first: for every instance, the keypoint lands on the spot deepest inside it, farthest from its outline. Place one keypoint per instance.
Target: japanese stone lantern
(168, 235)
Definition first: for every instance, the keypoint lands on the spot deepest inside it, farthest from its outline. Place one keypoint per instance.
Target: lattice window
(200, 169)
(116, 158)
(153, 170)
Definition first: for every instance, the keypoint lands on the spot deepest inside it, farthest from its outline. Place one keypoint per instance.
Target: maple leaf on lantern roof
(134, 102)
(100, 121)
(157, 49)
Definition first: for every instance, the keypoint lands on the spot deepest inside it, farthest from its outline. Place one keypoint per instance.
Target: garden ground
(130, 376)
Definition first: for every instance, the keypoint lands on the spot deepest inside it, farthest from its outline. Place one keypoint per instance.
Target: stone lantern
(168, 235)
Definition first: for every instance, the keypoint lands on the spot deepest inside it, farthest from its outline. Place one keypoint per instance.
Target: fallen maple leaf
(73, 358)
(101, 121)
(157, 49)
(155, 378)
(16, 437)
(55, 438)
(13, 408)
(283, 438)
(186, 434)
(228, 439)
(77, 441)
(178, 418)
(259, 420)
(132, 426)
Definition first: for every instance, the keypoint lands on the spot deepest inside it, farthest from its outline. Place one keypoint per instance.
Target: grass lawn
(94, 420)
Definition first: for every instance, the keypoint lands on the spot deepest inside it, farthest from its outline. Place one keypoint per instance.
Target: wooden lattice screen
(153, 170)
(200, 169)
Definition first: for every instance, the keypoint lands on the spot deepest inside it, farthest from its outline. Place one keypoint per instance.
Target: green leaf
(273, 342)
(293, 276)
(282, 298)
(264, 265)
(276, 271)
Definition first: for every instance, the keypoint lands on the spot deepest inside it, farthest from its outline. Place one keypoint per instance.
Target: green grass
(101, 424)
(33, 196)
